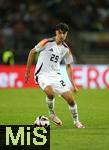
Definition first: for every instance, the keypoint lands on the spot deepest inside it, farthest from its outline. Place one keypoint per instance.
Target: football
(42, 121)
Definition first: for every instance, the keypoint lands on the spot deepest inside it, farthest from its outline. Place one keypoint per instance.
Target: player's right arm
(29, 63)
(38, 48)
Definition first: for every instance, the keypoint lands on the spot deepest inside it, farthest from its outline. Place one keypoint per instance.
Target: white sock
(50, 103)
(74, 112)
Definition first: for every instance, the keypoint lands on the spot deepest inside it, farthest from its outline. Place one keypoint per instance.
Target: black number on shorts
(54, 58)
(63, 83)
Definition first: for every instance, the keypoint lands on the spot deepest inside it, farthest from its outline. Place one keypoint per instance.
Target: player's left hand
(75, 89)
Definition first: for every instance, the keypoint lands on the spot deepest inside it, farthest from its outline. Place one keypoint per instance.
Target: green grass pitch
(22, 106)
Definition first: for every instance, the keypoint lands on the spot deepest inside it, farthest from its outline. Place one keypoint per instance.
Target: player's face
(61, 35)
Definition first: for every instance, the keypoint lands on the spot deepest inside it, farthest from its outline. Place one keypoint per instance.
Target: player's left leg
(61, 88)
(73, 108)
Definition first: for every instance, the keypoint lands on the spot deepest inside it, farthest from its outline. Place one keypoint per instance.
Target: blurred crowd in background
(24, 23)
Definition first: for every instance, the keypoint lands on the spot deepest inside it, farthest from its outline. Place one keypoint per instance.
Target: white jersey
(50, 56)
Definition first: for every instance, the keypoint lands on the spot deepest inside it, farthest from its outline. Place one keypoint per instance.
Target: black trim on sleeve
(36, 74)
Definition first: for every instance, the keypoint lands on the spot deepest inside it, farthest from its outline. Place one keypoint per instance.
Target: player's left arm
(68, 61)
(70, 75)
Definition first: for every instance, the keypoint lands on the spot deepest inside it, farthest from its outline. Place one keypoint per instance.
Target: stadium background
(22, 25)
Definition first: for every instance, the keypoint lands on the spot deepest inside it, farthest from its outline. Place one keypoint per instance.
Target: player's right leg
(45, 84)
(50, 102)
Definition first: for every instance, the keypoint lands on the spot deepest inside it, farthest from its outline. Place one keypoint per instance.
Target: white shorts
(56, 82)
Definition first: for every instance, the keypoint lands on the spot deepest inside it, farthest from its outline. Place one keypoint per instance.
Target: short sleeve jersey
(51, 55)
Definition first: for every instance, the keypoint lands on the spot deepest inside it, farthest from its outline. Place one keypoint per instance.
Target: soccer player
(47, 73)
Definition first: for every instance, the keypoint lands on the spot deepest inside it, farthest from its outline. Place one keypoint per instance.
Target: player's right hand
(27, 77)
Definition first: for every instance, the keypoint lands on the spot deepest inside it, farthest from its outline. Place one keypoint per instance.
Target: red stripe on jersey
(43, 42)
(70, 51)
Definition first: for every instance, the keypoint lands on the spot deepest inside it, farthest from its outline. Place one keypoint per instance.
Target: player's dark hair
(63, 26)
